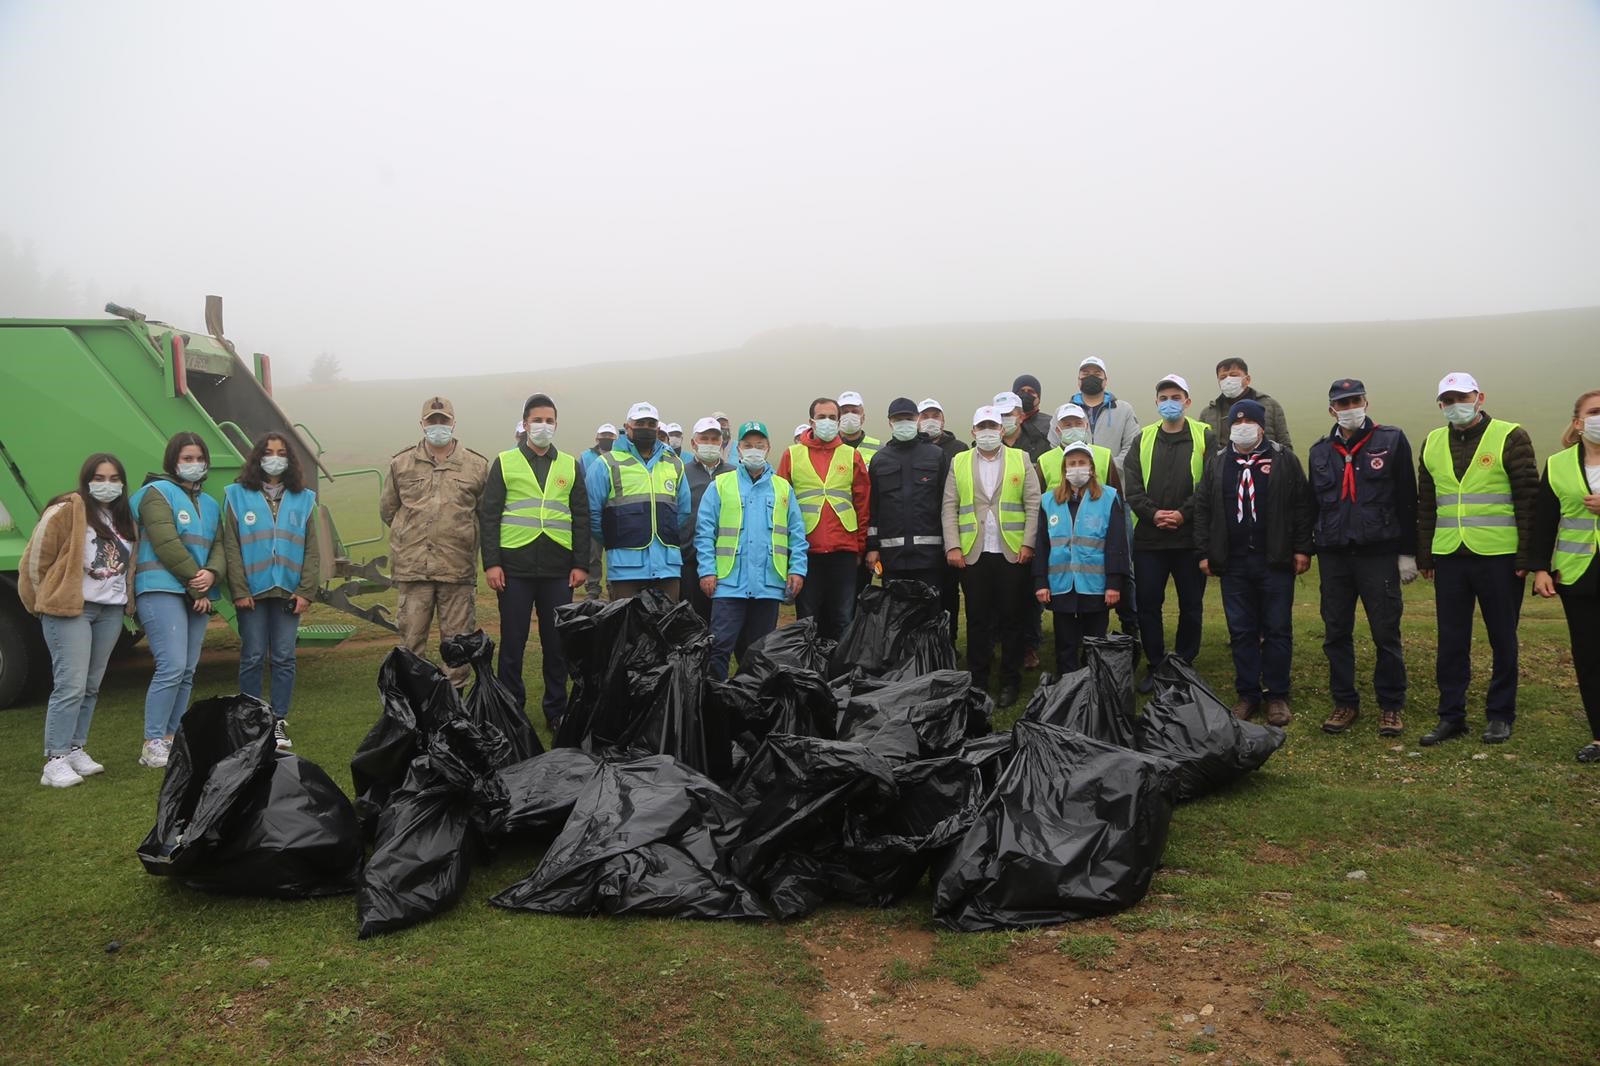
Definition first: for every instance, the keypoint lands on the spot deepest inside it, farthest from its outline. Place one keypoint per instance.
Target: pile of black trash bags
(818, 773)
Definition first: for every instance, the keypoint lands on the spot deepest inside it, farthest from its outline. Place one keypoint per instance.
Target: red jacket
(830, 534)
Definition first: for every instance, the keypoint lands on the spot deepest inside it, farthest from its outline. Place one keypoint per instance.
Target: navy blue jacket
(1382, 518)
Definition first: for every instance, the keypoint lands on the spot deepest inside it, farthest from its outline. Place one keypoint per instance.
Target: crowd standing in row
(1079, 515)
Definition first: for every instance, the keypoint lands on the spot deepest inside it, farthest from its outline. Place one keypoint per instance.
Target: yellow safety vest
(532, 510)
(813, 493)
(1476, 510)
(730, 520)
(1578, 536)
(868, 447)
(1051, 464)
(643, 505)
(1197, 455)
(1013, 512)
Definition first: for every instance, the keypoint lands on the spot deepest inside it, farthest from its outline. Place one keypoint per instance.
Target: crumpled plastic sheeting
(1189, 724)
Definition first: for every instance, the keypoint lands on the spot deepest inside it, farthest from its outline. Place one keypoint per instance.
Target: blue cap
(1247, 411)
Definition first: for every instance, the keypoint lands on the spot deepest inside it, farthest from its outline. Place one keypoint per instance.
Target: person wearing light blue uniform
(750, 544)
(1081, 562)
(639, 508)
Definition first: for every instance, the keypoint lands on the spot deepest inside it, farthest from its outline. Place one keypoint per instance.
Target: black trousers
(1154, 568)
(1489, 582)
(1070, 631)
(829, 594)
(689, 590)
(1374, 580)
(519, 600)
(996, 613)
(950, 598)
(1583, 626)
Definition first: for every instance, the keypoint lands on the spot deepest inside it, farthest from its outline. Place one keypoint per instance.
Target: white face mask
(931, 426)
(710, 454)
(850, 424)
(1244, 435)
(191, 471)
(1459, 414)
(1351, 417)
(1232, 387)
(274, 465)
(1591, 429)
(1078, 476)
(988, 440)
(754, 459)
(825, 429)
(439, 436)
(903, 431)
(541, 434)
(106, 491)
(674, 441)
(1073, 435)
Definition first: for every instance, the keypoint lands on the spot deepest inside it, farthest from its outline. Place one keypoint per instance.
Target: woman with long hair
(269, 535)
(178, 572)
(1081, 561)
(74, 577)
(1566, 536)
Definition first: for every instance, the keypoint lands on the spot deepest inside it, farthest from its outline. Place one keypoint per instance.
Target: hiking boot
(1030, 659)
(1390, 724)
(280, 734)
(59, 774)
(1341, 719)
(82, 765)
(1278, 713)
(154, 753)
(1246, 709)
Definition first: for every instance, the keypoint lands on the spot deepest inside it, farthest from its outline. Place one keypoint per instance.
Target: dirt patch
(1573, 925)
(1154, 995)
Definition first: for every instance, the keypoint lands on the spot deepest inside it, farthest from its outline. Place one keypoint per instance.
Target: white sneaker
(84, 766)
(59, 774)
(154, 753)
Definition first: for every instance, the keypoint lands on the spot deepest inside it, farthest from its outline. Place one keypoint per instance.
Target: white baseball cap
(930, 404)
(801, 428)
(643, 410)
(1070, 410)
(1093, 360)
(1173, 379)
(1077, 446)
(673, 427)
(986, 413)
(520, 428)
(851, 399)
(707, 424)
(1460, 381)
(1006, 401)
(606, 427)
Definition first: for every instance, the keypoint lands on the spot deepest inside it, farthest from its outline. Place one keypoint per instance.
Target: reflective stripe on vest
(643, 505)
(1052, 463)
(531, 510)
(869, 447)
(1578, 534)
(730, 521)
(1011, 510)
(813, 493)
(272, 547)
(197, 522)
(1475, 511)
(1077, 560)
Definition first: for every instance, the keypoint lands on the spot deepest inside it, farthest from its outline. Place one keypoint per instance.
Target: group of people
(1078, 515)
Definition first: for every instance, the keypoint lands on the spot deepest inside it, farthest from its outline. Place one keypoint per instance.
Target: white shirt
(1593, 473)
(105, 568)
(989, 471)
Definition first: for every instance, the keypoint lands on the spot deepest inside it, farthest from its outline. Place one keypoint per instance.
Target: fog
(428, 189)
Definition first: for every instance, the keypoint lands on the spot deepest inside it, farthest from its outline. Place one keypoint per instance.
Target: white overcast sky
(464, 185)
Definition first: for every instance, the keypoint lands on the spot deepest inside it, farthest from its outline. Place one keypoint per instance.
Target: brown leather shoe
(1390, 724)
(1278, 713)
(1341, 719)
(1030, 660)
(1246, 709)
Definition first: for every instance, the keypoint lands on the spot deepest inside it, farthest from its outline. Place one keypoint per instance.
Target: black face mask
(1091, 386)
(644, 439)
(604, 445)
(1030, 403)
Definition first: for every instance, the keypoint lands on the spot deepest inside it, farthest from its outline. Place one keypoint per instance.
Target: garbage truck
(124, 384)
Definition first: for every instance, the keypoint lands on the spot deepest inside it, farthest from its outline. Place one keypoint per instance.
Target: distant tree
(325, 369)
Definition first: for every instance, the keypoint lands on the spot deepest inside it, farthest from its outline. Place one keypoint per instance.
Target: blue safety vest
(197, 520)
(1078, 547)
(273, 550)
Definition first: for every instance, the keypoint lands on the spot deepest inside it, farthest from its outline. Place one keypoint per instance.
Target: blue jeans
(1259, 603)
(79, 650)
(175, 632)
(737, 623)
(268, 629)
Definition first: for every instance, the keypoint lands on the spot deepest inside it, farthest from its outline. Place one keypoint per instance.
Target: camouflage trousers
(421, 602)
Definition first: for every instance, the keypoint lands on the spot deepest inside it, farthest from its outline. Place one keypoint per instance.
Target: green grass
(1458, 946)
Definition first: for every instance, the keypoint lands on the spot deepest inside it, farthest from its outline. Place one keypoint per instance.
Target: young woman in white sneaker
(74, 576)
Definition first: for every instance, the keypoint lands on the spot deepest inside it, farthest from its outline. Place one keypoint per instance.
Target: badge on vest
(249, 518)
(1054, 519)
(561, 482)
(1375, 462)
(671, 485)
(1486, 460)
(183, 517)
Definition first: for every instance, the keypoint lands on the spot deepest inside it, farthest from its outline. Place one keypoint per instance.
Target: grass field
(1358, 900)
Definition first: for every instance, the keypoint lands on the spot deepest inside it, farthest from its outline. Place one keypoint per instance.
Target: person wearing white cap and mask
(727, 431)
(639, 509)
(1071, 426)
(991, 518)
(930, 423)
(675, 437)
(801, 430)
(1477, 489)
(852, 419)
(1008, 405)
(1233, 383)
(1080, 560)
(703, 465)
(1112, 422)
(604, 439)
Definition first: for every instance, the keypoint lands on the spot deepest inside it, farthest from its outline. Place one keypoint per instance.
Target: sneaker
(281, 735)
(154, 754)
(1390, 724)
(1341, 719)
(82, 764)
(58, 773)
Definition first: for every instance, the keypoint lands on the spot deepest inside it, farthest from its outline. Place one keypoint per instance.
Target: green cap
(753, 427)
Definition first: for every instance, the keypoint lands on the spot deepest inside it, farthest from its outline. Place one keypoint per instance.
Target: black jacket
(907, 504)
(1289, 516)
(544, 557)
(1521, 468)
(1033, 436)
(698, 477)
(1167, 486)
(947, 443)
(1381, 519)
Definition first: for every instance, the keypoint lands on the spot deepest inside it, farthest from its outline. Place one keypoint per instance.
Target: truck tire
(22, 651)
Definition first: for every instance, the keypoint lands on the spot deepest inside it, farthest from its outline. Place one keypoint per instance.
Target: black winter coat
(1382, 518)
(907, 504)
(1290, 510)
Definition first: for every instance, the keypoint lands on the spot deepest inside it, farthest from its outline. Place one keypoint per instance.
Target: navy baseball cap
(1345, 388)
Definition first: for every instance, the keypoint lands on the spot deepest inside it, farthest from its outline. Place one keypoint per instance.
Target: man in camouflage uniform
(430, 504)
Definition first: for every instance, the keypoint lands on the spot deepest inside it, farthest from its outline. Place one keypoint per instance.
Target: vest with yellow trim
(1051, 463)
(1578, 534)
(1147, 451)
(272, 548)
(1012, 513)
(1078, 544)
(533, 510)
(643, 505)
(813, 493)
(730, 523)
(197, 521)
(1475, 510)
(868, 447)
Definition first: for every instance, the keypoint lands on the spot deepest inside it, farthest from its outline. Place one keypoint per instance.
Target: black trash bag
(489, 700)
(1074, 829)
(540, 791)
(899, 629)
(235, 815)
(416, 699)
(795, 646)
(436, 825)
(891, 848)
(645, 837)
(796, 793)
(795, 702)
(1098, 700)
(679, 722)
(1190, 725)
(991, 754)
(923, 718)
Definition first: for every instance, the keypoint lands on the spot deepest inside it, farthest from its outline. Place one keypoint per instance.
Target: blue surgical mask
(825, 429)
(1171, 410)
(191, 472)
(1459, 414)
(439, 436)
(274, 465)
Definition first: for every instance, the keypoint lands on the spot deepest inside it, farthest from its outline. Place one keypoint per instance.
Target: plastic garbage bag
(1074, 828)
(540, 791)
(236, 815)
(899, 629)
(891, 847)
(488, 700)
(678, 721)
(645, 837)
(1189, 724)
(795, 646)
(1098, 700)
(923, 718)
(991, 754)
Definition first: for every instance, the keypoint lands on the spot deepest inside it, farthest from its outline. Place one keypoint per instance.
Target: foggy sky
(425, 187)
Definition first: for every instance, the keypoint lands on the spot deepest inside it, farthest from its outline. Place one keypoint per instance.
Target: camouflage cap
(437, 405)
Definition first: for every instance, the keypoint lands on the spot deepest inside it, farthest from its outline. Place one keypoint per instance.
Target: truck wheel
(22, 650)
